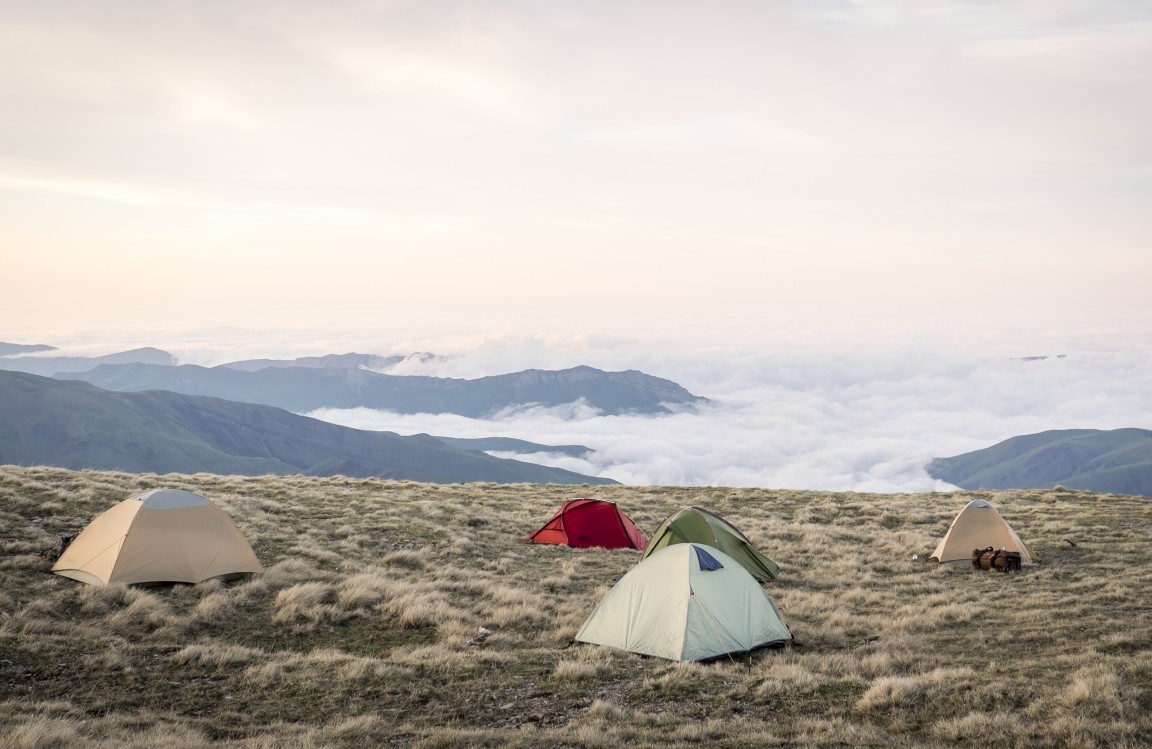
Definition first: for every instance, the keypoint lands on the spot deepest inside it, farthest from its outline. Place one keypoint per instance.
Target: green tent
(697, 525)
(687, 602)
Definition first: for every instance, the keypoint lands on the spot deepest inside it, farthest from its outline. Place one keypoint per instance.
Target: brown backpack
(58, 550)
(998, 559)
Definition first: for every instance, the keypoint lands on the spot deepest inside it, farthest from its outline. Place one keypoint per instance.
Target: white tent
(686, 602)
(979, 526)
(164, 535)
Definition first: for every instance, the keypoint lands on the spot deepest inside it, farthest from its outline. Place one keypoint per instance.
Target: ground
(363, 629)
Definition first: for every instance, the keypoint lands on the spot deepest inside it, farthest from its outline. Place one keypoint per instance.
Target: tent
(687, 602)
(584, 523)
(163, 535)
(979, 526)
(695, 524)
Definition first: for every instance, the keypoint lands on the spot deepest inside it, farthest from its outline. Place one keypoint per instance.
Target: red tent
(583, 523)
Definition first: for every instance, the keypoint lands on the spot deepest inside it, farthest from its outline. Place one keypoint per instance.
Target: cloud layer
(860, 422)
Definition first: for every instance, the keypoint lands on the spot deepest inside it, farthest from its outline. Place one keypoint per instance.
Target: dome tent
(686, 602)
(159, 536)
(697, 525)
(979, 526)
(586, 523)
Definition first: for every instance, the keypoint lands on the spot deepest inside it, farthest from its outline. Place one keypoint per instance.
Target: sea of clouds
(799, 408)
(851, 418)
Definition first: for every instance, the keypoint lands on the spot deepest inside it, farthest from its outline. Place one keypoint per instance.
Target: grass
(363, 629)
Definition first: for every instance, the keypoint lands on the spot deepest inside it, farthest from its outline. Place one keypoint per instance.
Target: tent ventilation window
(706, 560)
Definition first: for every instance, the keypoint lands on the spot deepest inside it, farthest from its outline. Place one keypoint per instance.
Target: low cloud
(860, 409)
(859, 422)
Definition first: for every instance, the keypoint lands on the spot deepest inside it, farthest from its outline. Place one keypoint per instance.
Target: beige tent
(686, 602)
(164, 535)
(979, 526)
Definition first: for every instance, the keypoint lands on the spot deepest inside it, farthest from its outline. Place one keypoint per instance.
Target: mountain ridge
(338, 361)
(73, 424)
(48, 366)
(305, 389)
(354, 380)
(1117, 461)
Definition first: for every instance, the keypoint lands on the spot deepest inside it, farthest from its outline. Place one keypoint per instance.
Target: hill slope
(303, 389)
(1118, 461)
(51, 365)
(13, 349)
(76, 425)
(512, 445)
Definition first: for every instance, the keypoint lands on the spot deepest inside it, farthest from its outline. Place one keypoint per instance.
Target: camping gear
(697, 525)
(53, 553)
(979, 526)
(586, 523)
(163, 535)
(686, 602)
(997, 559)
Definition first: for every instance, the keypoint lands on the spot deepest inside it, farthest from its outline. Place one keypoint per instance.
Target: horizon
(852, 417)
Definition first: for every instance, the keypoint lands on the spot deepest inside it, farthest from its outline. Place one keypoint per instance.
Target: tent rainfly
(585, 523)
(979, 526)
(687, 602)
(697, 525)
(163, 535)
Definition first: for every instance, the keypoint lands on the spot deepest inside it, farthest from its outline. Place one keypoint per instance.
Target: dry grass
(362, 631)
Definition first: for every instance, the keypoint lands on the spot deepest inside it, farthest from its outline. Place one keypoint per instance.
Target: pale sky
(372, 163)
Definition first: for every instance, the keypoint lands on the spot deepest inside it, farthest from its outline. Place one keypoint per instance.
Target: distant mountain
(511, 445)
(11, 349)
(53, 365)
(1117, 462)
(334, 361)
(303, 389)
(71, 424)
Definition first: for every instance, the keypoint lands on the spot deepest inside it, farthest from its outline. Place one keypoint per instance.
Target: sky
(476, 165)
(799, 209)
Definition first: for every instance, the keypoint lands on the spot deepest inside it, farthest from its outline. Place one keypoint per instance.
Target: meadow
(365, 629)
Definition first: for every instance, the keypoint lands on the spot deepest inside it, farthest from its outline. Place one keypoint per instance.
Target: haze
(739, 196)
(261, 162)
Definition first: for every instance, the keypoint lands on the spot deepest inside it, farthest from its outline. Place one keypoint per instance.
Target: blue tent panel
(706, 560)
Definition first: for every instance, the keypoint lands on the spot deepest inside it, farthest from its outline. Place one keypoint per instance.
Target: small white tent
(164, 535)
(686, 602)
(979, 526)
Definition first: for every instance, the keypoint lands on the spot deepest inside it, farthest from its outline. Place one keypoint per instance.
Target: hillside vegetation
(76, 425)
(362, 631)
(1116, 461)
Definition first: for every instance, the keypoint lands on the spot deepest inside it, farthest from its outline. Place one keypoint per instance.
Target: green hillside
(1117, 461)
(512, 445)
(72, 424)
